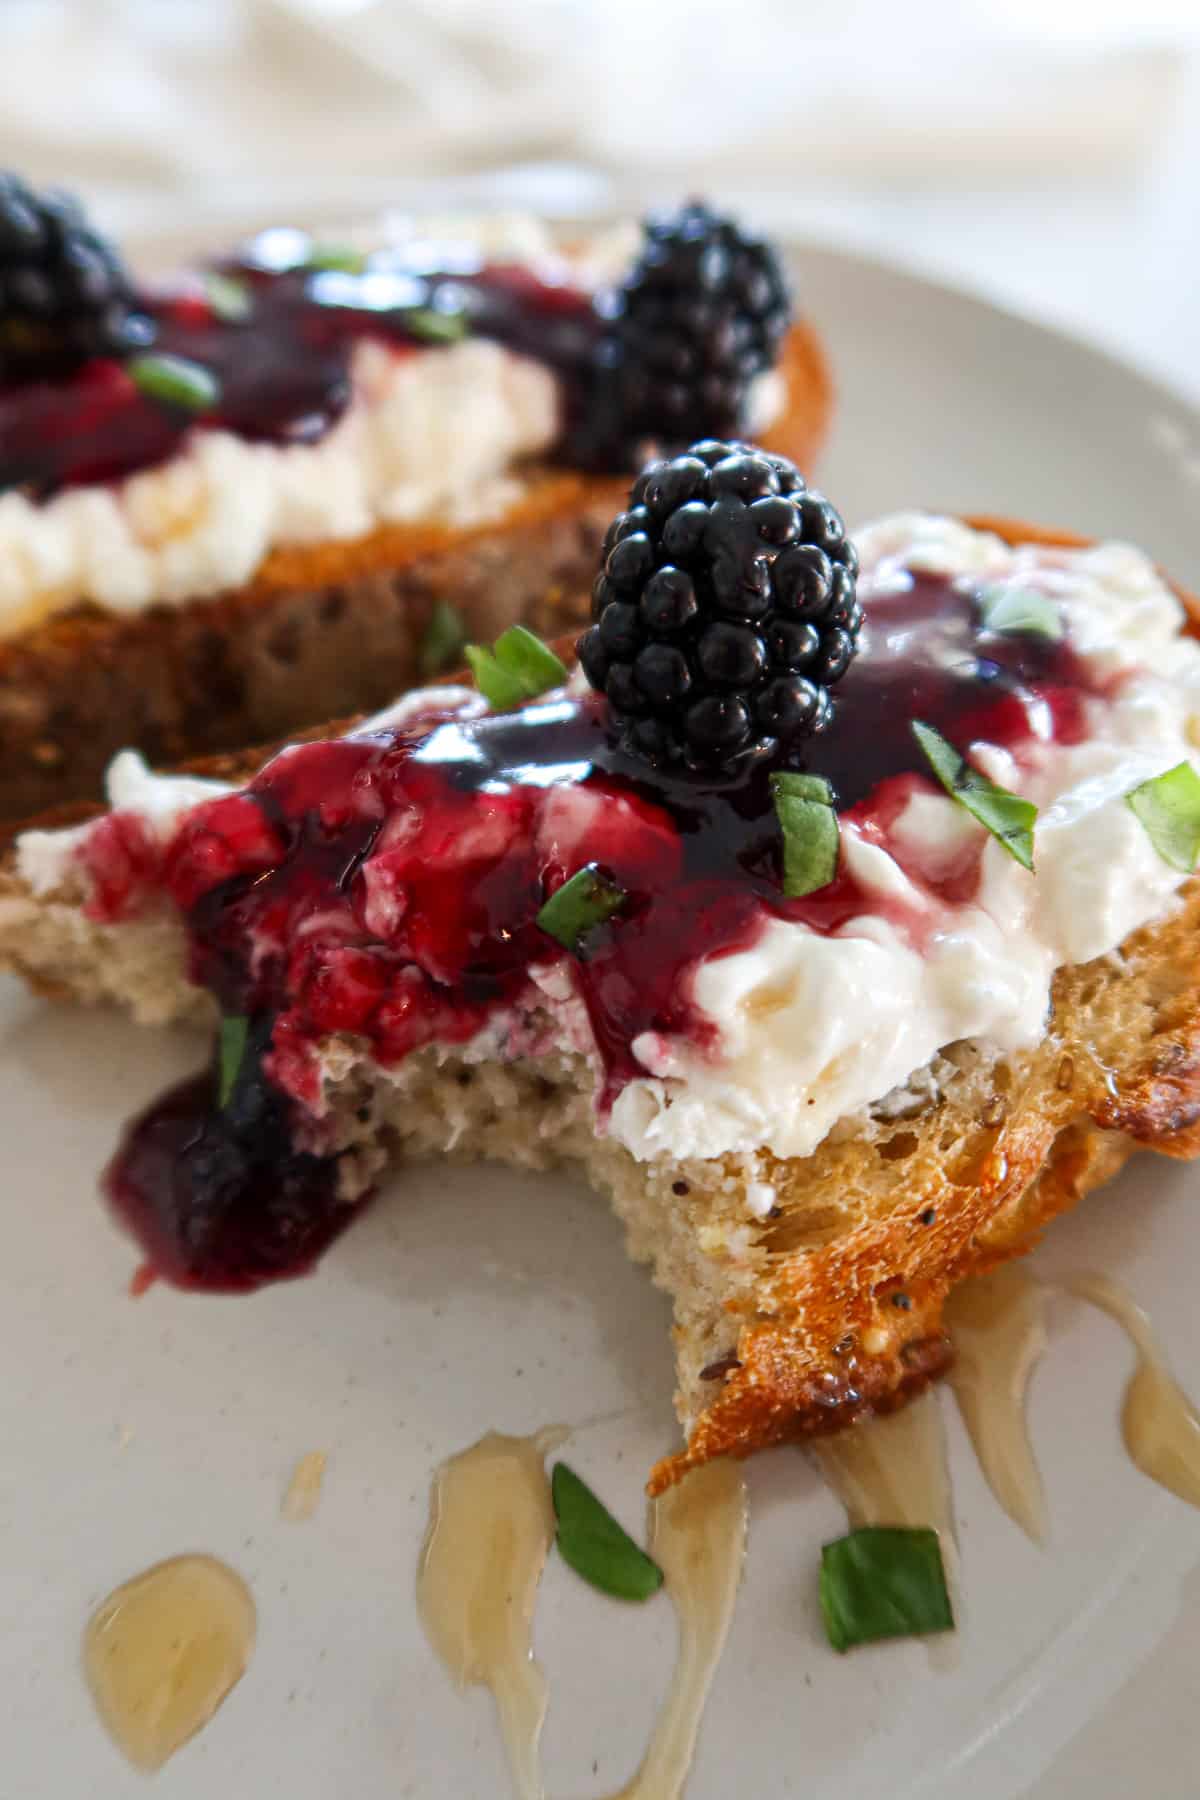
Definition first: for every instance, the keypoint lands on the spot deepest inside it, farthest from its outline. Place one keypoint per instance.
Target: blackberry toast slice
(292, 483)
(808, 1288)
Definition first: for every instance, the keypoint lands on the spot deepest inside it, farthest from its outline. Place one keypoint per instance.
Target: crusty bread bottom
(244, 667)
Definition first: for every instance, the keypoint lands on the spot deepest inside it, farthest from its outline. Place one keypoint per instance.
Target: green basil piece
(1014, 609)
(804, 808)
(518, 667)
(1009, 818)
(501, 690)
(175, 380)
(1168, 809)
(595, 1546)
(343, 257)
(442, 644)
(231, 1048)
(230, 299)
(435, 327)
(588, 898)
(524, 655)
(883, 1582)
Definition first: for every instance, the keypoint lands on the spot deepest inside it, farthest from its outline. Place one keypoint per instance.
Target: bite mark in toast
(832, 1306)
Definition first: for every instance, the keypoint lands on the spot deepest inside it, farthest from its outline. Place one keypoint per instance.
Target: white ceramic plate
(132, 1431)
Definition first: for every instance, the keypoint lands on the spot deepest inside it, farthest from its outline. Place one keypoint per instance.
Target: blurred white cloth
(995, 140)
(304, 93)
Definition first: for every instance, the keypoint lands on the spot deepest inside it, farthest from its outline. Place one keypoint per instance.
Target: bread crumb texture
(830, 1306)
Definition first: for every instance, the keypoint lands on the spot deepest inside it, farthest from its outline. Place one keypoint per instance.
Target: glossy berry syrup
(282, 361)
(387, 886)
(219, 1197)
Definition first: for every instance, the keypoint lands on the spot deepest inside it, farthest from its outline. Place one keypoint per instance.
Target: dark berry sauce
(388, 885)
(219, 1198)
(283, 370)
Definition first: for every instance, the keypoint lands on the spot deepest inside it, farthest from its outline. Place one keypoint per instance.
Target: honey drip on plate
(492, 1520)
(892, 1470)
(164, 1650)
(1160, 1425)
(303, 1494)
(998, 1327)
(698, 1539)
(490, 1530)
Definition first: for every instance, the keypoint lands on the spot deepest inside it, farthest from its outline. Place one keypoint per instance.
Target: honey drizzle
(892, 1470)
(997, 1324)
(698, 1538)
(491, 1526)
(164, 1650)
(1160, 1425)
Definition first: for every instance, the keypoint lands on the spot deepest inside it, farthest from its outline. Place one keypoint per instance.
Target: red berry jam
(282, 369)
(218, 1206)
(388, 885)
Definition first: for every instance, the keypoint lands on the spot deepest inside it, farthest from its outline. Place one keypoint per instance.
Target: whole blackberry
(725, 609)
(64, 293)
(701, 313)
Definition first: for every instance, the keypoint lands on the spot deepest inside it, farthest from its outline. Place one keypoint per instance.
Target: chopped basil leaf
(804, 808)
(343, 257)
(501, 690)
(596, 1547)
(1009, 818)
(230, 299)
(434, 326)
(174, 379)
(883, 1582)
(442, 644)
(518, 667)
(1013, 609)
(231, 1048)
(587, 899)
(1168, 809)
(524, 655)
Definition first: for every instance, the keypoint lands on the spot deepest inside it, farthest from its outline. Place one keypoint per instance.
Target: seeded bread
(322, 630)
(832, 1306)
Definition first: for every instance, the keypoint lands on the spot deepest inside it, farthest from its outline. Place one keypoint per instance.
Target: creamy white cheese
(811, 1029)
(429, 435)
(45, 858)
(814, 1028)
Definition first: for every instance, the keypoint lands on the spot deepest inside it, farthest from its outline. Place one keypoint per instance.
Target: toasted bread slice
(830, 1307)
(331, 628)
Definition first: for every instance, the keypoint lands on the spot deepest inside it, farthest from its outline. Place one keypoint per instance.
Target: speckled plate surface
(469, 1300)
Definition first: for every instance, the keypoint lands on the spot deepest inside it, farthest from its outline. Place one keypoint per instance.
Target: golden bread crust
(969, 1183)
(1118, 1070)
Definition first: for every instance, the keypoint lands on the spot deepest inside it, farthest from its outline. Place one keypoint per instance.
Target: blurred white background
(1045, 151)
